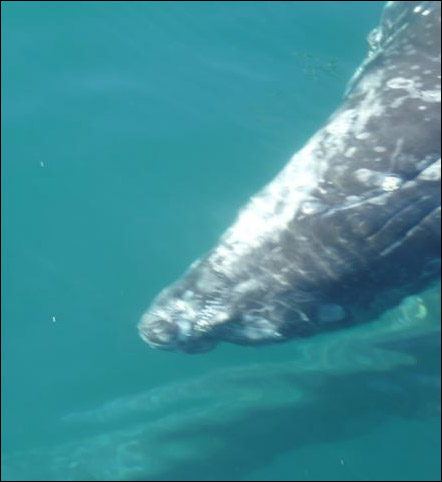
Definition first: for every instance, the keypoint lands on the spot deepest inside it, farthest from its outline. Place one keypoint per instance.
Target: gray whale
(347, 229)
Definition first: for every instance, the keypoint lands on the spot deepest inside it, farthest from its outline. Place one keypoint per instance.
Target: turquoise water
(132, 133)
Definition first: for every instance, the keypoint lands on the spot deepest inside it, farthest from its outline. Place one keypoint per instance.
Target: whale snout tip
(161, 333)
(157, 332)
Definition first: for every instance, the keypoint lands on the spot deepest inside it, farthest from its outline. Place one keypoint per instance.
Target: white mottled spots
(391, 183)
(428, 72)
(341, 124)
(431, 173)
(415, 67)
(371, 104)
(426, 12)
(312, 207)
(413, 91)
(363, 135)
(430, 95)
(247, 286)
(257, 328)
(188, 295)
(180, 305)
(417, 9)
(350, 152)
(363, 175)
(422, 107)
(398, 102)
(400, 83)
(397, 150)
(380, 149)
(269, 212)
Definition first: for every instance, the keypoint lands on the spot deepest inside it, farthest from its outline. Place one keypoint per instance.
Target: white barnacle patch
(257, 328)
(391, 183)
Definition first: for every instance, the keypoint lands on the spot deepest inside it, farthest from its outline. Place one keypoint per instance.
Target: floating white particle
(53, 319)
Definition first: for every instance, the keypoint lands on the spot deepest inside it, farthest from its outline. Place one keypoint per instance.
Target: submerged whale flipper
(349, 227)
(334, 389)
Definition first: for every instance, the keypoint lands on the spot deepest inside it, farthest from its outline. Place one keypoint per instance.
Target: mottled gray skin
(350, 226)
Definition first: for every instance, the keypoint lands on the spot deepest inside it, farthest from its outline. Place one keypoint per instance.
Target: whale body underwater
(349, 227)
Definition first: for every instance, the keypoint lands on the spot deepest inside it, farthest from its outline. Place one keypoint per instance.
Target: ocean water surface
(132, 132)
